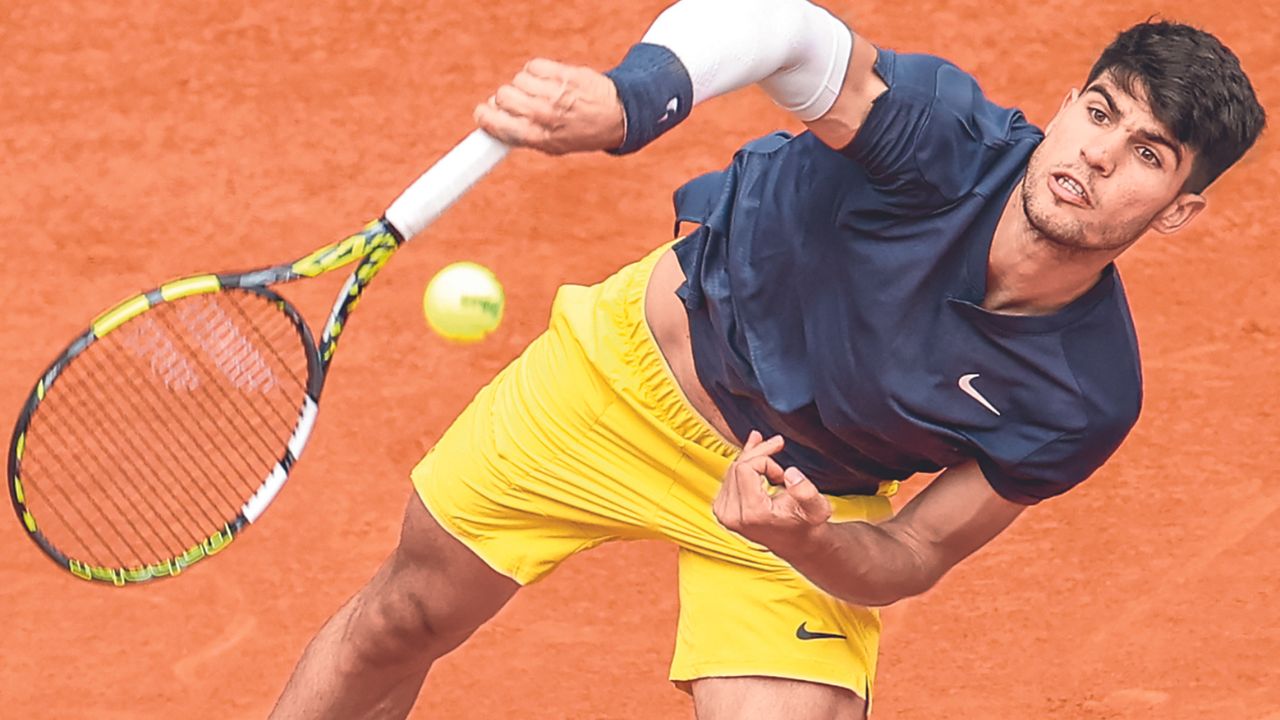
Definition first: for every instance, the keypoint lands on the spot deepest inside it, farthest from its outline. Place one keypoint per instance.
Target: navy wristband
(656, 94)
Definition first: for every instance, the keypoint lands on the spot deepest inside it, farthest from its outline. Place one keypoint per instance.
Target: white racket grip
(443, 183)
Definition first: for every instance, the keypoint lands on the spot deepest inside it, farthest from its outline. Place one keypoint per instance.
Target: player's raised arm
(803, 57)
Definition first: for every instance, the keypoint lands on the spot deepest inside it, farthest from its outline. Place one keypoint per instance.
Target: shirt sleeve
(1113, 403)
(929, 139)
(1053, 469)
(1105, 366)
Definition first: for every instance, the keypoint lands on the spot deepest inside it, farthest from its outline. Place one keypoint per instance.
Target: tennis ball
(463, 302)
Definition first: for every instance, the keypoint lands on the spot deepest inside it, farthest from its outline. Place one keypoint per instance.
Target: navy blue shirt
(835, 298)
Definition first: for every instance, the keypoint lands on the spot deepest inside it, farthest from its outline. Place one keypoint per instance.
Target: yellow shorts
(587, 438)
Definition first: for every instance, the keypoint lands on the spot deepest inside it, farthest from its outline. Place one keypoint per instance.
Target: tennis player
(923, 281)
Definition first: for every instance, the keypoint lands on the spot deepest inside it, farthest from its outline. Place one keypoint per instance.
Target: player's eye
(1097, 115)
(1149, 156)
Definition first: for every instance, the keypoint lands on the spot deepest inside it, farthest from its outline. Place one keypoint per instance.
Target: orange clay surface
(146, 140)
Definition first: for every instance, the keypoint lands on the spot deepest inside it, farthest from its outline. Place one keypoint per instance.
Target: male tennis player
(923, 281)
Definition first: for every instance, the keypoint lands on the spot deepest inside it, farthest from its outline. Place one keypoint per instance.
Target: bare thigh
(765, 698)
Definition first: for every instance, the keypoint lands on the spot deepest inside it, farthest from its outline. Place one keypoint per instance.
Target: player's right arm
(804, 58)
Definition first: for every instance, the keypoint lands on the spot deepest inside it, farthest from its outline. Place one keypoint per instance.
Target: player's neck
(1028, 274)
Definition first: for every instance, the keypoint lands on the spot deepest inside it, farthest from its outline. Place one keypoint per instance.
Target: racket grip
(443, 183)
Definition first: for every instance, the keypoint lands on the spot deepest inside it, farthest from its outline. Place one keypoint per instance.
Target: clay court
(148, 140)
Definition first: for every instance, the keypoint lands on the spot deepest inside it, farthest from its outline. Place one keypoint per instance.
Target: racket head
(164, 429)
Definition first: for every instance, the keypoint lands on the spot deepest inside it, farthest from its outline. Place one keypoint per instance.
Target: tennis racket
(170, 424)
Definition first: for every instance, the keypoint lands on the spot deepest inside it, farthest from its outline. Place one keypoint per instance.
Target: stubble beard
(1059, 232)
(1065, 233)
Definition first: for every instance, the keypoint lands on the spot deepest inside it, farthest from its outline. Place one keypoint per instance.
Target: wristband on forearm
(656, 94)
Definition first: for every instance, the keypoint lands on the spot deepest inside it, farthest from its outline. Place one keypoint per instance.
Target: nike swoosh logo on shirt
(805, 634)
(966, 384)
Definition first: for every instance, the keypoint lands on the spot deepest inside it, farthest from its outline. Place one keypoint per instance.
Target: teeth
(1071, 185)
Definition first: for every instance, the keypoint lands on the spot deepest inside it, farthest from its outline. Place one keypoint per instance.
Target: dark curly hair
(1195, 87)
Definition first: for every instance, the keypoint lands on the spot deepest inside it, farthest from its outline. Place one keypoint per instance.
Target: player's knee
(398, 627)
(427, 599)
(422, 607)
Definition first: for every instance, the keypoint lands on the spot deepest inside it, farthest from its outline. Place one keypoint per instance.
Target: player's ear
(1071, 97)
(1179, 213)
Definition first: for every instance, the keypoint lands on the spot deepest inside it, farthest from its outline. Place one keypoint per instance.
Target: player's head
(1165, 110)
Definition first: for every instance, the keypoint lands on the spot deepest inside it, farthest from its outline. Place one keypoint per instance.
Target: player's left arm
(859, 562)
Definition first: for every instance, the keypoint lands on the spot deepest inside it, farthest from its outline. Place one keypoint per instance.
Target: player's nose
(1099, 155)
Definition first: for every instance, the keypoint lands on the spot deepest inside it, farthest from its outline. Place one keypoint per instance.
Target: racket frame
(372, 247)
(416, 208)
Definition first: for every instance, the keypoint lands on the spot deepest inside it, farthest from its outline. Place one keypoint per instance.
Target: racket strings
(149, 457)
(131, 408)
(89, 505)
(157, 434)
(272, 345)
(77, 429)
(84, 520)
(208, 426)
(147, 464)
(244, 435)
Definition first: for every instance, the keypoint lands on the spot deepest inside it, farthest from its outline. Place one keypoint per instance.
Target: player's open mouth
(1069, 189)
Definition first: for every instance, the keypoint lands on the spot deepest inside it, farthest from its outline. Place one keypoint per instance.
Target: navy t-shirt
(835, 298)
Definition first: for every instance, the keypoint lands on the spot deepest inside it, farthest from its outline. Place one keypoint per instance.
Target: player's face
(1107, 172)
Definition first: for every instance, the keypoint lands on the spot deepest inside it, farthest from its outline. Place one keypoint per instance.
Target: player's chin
(1054, 223)
(1069, 227)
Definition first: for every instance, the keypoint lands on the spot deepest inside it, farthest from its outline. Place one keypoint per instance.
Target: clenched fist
(779, 509)
(555, 108)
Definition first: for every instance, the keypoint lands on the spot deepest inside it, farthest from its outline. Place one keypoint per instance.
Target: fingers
(526, 111)
(517, 117)
(511, 129)
(546, 69)
(746, 499)
(744, 489)
(555, 108)
(536, 86)
(760, 511)
(755, 458)
(812, 505)
(542, 100)
(748, 487)
(741, 489)
(768, 468)
(518, 103)
(756, 446)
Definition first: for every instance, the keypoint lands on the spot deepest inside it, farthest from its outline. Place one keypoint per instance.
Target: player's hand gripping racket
(170, 424)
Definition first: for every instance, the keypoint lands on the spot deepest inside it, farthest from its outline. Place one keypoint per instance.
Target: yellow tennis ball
(463, 302)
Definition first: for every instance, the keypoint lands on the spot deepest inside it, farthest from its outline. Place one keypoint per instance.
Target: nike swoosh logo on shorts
(966, 384)
(805, 634)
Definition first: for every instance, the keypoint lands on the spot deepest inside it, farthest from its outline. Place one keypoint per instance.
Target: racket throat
(379, 240)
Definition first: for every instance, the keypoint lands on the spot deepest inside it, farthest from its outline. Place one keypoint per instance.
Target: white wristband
(797, 51)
